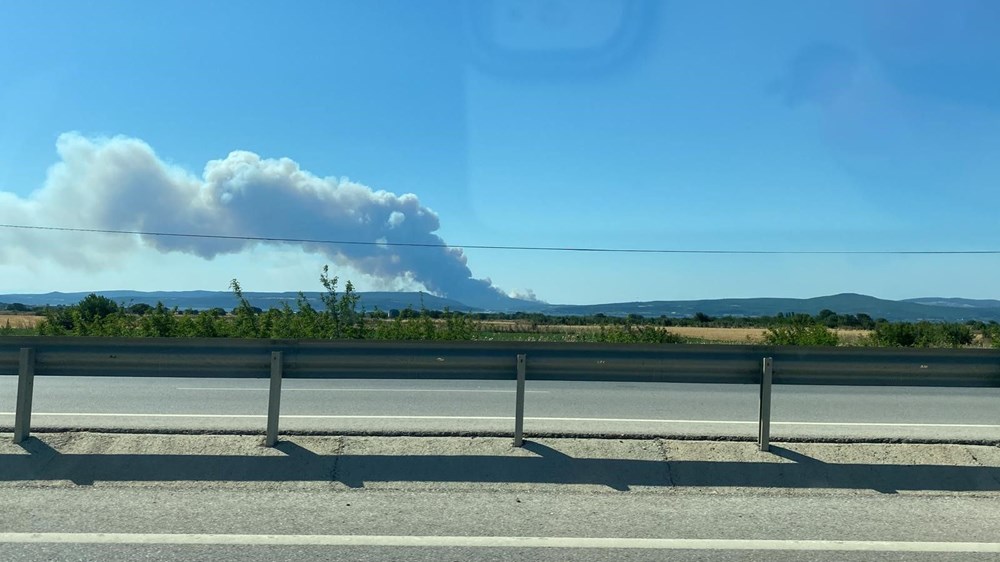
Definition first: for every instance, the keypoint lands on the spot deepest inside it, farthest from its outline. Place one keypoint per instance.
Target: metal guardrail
(515, 361)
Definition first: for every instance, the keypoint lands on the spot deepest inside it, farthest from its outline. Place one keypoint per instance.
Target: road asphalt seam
(499, 542)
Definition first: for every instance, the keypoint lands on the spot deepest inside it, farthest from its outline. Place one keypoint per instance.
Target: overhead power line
(497, 246)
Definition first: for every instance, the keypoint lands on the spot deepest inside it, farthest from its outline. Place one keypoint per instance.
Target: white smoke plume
(525, 295)
(121, 184)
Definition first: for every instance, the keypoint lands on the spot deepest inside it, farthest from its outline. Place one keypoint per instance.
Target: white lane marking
(880, 424)
(503, 418)
(498, 542)
(366, 390)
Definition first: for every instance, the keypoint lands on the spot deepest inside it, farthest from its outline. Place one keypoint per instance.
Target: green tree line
(341, 316)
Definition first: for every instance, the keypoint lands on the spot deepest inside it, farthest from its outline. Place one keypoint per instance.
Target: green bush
(921, 334)
(160, 322)
(630, 333)
(341, 317)
(799, 333)
(95, 307)
(139, 309)
(957, 335)
(991, 332)
(458, 326)
(900, 334)
(207, 324)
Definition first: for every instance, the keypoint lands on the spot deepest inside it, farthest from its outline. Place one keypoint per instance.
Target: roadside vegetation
(343, 316)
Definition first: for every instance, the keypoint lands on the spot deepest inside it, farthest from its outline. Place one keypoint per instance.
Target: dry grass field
(852, 337)
(708, 334)
(755, 335)
(734, 335)
(19, 320)
(705, 334)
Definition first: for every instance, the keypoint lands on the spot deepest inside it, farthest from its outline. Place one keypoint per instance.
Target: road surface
(122, 497)
(582, 408)
(496, 525)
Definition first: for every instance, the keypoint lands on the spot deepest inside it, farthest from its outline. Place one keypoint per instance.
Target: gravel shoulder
(68, 459)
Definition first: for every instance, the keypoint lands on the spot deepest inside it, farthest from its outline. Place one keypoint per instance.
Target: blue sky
(607, 123)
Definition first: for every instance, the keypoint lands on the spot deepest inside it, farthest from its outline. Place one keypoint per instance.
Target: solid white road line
(496, 391)
(497, 542)
(503, 418)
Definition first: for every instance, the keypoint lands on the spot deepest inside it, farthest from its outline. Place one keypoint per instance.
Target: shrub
(207, 324)
(58, 322)
(702, 318)
(139, 309)
(900, 334)
(921, 334)
(957, 335)
(992, 333)
(245, 324)
(96, 307)
(458, 326)
(800, 334)
(160, 322)
(630, 333)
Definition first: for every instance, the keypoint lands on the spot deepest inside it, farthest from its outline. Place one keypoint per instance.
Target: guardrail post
(764, 419)
(519, 402)
(25, 389)
(274, 399)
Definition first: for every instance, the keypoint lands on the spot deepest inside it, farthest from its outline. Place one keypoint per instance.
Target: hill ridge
(925, 308)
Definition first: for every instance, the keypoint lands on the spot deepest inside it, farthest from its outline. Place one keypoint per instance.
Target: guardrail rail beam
(46, 356)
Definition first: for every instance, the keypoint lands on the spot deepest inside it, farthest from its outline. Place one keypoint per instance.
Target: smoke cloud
(121, 184)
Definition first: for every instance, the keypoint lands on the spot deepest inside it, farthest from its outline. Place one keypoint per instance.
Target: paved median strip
(497, 542)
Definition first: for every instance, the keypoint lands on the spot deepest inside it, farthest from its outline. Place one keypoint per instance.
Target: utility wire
(499, 247)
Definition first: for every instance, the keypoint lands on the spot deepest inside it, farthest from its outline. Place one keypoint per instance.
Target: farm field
(20, 321)
(755, 335)
(501, 329)
(461, 327)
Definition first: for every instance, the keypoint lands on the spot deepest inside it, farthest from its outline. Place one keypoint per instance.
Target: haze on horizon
(846, 126)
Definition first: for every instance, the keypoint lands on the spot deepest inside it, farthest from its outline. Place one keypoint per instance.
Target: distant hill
(956, 302)
(845, 303)
(203, 300)
(929, 308)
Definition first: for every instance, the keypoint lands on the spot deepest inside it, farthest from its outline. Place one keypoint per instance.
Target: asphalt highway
(174, 497)
(572, 408)
(126, 524)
